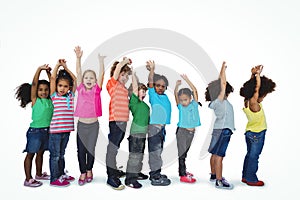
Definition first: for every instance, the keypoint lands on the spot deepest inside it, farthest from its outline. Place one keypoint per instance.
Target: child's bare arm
(223, 81)
(101, 70)
(34, 84)
(253, 103)
(150, 65)
(53, 77)
(119, 67)
(134, 84)
(78, 53)
(192, 86)
(178, 82)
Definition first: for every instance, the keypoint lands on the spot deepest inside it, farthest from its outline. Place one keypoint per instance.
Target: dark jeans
(87, 135)
(136, 155)
(255, 143)
(156, 138)
(57, 147)
(184, 139)
(115, 137)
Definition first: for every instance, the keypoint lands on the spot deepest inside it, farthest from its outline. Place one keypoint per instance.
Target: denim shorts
(37, 139)
(219, 141)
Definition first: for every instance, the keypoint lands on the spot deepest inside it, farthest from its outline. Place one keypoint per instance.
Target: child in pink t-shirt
(88, 109)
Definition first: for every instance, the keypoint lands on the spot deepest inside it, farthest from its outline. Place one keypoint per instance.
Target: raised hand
(150, 65)
(178, 82)
(101, 57)
(78, 51)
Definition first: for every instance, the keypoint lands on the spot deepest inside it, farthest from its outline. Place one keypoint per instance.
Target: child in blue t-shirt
(160, 116)
(189, 119)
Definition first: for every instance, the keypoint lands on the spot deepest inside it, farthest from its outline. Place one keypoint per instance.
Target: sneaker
(44, 176)
(60, 183)
(68, 178)
(81, 182)
(142, 176)
(189, 174)
(134, 184)
(32, 183)
(258, 183)
(213, 177)
(120, 174)
(115, 183)
(223, 184)
(162, 180)
(187, 179)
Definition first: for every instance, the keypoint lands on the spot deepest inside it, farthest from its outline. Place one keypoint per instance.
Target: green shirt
(140, 112)
(42, 112)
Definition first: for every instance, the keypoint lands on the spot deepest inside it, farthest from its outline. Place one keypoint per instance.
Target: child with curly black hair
(254, 91)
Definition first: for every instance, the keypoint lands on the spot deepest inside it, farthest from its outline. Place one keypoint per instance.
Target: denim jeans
(115, 137)
(184, 139)
(87, 135)
(156, 138)
(57, 147)
(37, 139)
(136, 155)
(219, 141)
(255, 143)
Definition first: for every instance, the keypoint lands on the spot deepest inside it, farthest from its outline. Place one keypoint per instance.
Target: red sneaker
(258, 183)
(187, 179)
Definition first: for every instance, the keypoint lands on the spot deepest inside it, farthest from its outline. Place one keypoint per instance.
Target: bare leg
(218, 166)
(28, 165)
(39, 162)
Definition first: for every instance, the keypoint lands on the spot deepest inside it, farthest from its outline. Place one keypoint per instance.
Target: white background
(242, 33)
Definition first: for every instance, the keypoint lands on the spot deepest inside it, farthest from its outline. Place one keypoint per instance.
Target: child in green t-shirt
(137, 138)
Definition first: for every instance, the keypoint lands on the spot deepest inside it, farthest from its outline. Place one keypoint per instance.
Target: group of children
(53, 111)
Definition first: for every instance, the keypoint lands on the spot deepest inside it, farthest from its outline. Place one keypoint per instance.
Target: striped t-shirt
(119, 102)
(63, 113)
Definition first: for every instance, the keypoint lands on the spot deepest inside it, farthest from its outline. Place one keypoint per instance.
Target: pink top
(88, 102)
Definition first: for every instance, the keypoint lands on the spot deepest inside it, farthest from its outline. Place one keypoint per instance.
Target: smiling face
(160, 86)
(43, 91)
(63, 86)
(89, 80)
(184, 99)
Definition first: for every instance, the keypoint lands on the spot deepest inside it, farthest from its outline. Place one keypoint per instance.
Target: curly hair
(266, 86)
(214, 88)
(125, 69)
(23, 93)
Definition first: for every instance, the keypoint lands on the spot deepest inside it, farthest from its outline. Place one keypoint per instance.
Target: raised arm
(178, 82)
(192, 86)
(74, 79)
(53, 77)
(119, 67)
(34, 84)
(253, 103)
(101, 70)
(150, 65)
(78, 53)
(135, 87)
(223, 81)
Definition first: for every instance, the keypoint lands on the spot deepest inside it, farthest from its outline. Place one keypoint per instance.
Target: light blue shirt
(224, 114)
(160, 106)
(189, 115)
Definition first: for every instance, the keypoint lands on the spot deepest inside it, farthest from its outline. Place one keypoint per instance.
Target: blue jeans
(115, 137)
(255, 143)
(219, 141)
(57, 147)
(156, 138)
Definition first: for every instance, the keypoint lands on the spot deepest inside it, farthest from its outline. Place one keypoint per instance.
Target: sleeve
(110, 85)
(132, 102)
(151, 93)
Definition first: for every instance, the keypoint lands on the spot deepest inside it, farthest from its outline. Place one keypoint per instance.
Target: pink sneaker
(32, 183)
(68, 178)
(44, 176)
(60, 183)
(187, 179)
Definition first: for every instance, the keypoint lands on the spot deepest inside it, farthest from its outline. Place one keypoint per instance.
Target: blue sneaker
(115, 183)
(223, 184)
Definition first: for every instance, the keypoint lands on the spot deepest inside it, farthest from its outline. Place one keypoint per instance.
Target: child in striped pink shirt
(62, 89)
